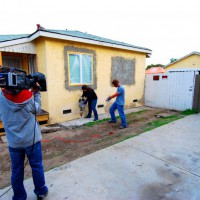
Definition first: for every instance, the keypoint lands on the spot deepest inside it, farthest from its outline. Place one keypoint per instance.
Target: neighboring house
(190, 61)
(70, 59)
(155, 70)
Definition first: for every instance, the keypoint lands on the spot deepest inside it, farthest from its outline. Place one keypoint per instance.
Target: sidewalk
(160, 164)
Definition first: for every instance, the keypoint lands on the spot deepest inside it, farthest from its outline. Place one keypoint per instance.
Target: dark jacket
(90, 95)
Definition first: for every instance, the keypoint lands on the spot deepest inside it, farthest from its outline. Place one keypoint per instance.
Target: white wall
(174, 92)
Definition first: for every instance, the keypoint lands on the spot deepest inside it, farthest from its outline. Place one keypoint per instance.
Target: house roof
(192, 53)
(6, 40)
(155, 70)
(92, 37)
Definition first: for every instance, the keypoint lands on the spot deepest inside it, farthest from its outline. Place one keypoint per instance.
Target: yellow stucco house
(70, 59)
(190, 61)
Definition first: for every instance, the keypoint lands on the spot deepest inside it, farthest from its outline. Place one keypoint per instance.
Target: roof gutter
(14, 42)
(83, 40)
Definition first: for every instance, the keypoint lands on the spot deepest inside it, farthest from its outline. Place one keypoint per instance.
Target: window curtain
(87, 68)
(74, 63)
(31, 59)
(9, 61)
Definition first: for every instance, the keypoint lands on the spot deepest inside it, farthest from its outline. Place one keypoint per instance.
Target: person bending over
(91, 98)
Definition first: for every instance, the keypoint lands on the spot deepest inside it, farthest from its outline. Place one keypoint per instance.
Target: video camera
(16, 79)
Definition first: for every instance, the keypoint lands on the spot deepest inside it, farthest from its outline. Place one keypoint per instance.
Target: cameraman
(17, 112)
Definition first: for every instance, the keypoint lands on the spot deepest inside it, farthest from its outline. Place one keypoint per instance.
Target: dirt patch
(63, 146)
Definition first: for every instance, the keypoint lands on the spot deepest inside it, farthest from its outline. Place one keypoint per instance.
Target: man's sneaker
(122, 127)
(112, 121)
(95, 119)
(42, 197)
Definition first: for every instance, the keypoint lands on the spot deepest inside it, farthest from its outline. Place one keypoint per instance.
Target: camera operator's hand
(36, 88)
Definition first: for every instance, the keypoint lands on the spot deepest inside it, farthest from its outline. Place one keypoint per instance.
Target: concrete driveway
(160, 164)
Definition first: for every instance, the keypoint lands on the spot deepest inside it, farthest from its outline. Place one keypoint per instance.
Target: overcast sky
(170, 28)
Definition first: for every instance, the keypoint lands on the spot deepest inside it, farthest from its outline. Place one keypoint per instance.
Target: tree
(173, 60)
(155, 65)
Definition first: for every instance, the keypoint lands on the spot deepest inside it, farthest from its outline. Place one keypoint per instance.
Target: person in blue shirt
(118, 104)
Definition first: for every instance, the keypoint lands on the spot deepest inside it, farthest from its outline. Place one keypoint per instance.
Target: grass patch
(161, 122)
(90, 124)
(154, 124)
(189, 112)
(139, 112)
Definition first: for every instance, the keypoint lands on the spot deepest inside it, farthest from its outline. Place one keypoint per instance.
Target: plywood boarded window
(123, 69)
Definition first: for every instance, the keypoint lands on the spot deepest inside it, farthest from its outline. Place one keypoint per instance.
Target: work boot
(87, 117)
(122, 127)
(112, 121)
(42, 197)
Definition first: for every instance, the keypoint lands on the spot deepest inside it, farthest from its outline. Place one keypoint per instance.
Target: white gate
(174, 90)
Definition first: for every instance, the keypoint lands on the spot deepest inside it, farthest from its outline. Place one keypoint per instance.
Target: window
(80, 68)
(164, 77)
(9, 61)
(156, 78)
(31, 61)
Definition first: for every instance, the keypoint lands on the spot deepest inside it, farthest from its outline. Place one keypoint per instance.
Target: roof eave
(83, 40)
(14, 41)
(48, 34)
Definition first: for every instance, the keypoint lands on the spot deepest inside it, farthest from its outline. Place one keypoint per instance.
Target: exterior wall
(0, 58)
(58, 98)
(192, 61)
(25, 65)
(42, 67)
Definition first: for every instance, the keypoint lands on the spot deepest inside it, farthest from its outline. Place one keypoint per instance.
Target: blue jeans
(34, 154)
(120, 109)
(92, 107)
